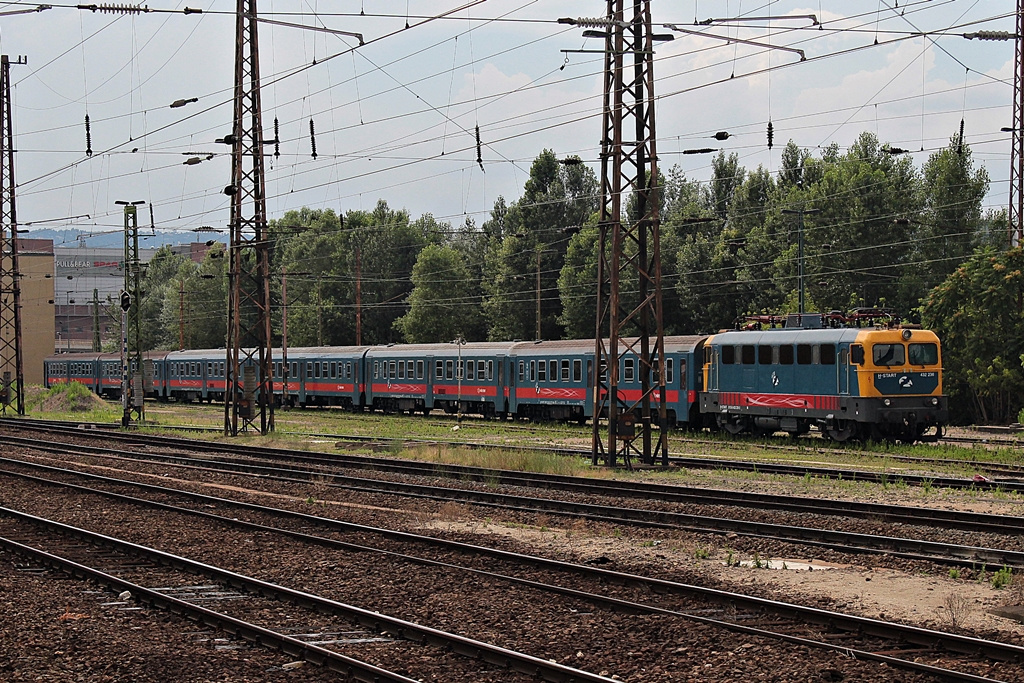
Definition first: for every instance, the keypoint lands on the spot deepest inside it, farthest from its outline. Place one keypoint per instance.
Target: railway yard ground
(371, 547)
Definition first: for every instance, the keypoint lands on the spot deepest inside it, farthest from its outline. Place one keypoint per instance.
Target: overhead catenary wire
(426, 157)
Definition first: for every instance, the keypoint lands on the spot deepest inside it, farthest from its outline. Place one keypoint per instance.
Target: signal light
(126, 301)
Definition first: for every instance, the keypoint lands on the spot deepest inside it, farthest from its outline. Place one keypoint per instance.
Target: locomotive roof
(826, 335)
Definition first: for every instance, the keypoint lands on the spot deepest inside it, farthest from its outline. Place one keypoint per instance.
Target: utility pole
(285, 370)
(12, 379)
(133, 390)
(97, 342)
(800, 250)
(629, 163)
(248, 396)
(538, 249)
(1016, 215)
(181, 314)
(359, 296)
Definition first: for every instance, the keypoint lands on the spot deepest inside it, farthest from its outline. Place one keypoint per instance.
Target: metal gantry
(12, 378)
(629, 268)
(133, 391)
(248, 392)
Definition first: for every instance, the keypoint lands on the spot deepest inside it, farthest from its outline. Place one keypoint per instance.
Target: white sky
(395, 119)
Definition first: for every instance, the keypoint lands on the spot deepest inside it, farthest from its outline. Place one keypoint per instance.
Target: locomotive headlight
(905, 334)
(935, 401)
(886, 403)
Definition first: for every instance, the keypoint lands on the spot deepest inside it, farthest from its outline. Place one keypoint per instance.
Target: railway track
(170, 584)
(943, 655)
(1004, 477)
(284, 470)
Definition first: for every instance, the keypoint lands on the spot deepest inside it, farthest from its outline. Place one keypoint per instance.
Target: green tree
(439, 309)
(157, 284)
(978, 315)
(951, 219)
(577, 284)
(862, 249)
(528, 241)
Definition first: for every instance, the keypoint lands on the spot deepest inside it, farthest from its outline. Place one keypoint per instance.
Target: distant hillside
(115, 240)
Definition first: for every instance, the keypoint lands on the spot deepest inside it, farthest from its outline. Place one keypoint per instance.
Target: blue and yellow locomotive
(879, 382)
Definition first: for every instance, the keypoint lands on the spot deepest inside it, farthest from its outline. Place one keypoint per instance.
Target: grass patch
(72, 401)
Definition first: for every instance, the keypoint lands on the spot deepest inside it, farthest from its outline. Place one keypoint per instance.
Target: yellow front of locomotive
(899, 377)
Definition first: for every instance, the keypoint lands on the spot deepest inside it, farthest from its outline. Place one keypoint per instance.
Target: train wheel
(841, 431)
(730, 425)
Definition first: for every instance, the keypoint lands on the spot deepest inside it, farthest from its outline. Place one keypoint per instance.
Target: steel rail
(690, 462)
(293, 647)
(843, 622)
(912, 549)
(407, 630)
(965, 520)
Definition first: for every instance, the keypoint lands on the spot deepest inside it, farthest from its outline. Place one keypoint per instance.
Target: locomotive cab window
(786, 354)
(887, 355)
(764, 354)
(923, 354)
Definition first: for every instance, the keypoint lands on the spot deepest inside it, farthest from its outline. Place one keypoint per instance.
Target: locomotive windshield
(888, 354)
(923, 354)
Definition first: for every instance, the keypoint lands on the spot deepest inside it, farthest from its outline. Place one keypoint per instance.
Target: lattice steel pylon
(12, 377)
(630, 253)
(1015, 227)
(248, 392)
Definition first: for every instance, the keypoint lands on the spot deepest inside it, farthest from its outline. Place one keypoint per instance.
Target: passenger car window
(887, 355)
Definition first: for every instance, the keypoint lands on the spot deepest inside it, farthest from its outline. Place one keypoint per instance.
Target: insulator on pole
(991, 35)
(312, 138)
(721, 135)
(88, 137)
(479, 156)
(277, 138)
(960, 139)
(771, 135)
